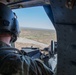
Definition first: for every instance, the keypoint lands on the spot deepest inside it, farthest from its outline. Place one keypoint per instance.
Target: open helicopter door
(63, 15)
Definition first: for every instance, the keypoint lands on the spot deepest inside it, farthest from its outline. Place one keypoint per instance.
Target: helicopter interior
(62, 13)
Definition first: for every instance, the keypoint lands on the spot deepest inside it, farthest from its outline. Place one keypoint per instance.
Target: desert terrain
(40, 38)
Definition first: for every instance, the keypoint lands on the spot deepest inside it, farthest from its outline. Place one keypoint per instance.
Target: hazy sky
(33, 17)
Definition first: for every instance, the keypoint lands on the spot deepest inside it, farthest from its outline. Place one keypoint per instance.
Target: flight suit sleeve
(35, 67)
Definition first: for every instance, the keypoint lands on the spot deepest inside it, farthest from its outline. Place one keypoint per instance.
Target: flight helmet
(8, 22)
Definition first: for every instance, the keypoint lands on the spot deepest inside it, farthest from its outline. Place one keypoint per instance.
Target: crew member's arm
(36, 67)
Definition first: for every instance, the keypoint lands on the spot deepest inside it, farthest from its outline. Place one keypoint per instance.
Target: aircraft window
(36, 28)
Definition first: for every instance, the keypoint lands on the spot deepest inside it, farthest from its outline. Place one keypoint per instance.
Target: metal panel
(66, 50)
(27, 3)
(65, 25)
(63, 15)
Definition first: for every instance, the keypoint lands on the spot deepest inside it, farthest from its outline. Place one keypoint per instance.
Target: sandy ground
(23, 42)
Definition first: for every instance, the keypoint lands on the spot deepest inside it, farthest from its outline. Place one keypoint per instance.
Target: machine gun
(32, 52)
(53, 55)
